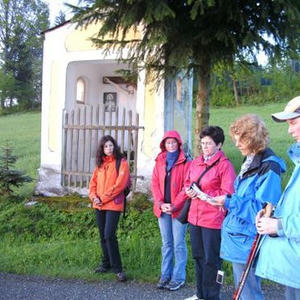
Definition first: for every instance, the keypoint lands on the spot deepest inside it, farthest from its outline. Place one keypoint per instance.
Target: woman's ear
(219, 146)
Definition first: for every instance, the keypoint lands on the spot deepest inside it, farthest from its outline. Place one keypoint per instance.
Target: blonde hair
(252, 131)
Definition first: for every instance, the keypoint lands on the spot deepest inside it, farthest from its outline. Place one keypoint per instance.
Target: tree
(194, 34)
(21, 24)
(7, 87)
(10, 177)
(61, 18)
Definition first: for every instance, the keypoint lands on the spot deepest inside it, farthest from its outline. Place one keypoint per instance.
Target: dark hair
(100, 151)
(216, 133)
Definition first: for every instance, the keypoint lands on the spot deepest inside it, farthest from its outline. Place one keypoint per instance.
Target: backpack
(128, 186)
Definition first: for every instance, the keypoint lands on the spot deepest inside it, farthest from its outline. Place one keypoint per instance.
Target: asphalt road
(17, 287)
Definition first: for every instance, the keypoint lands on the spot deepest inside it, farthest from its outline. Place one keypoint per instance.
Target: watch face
(110, 101)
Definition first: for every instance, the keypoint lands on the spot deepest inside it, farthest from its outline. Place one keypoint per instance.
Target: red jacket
(108, 185)
(217, 181)
(178, 173)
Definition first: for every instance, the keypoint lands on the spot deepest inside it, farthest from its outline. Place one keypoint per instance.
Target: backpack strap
(118, 164)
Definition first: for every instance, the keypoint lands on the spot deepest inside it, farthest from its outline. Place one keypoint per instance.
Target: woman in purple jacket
(205, 219)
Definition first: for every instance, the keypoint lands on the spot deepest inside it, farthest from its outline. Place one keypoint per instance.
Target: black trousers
(107, 221)
(206, 253)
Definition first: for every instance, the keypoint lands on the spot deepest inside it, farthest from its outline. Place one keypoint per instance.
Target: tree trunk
(235, 91)
(202, 104)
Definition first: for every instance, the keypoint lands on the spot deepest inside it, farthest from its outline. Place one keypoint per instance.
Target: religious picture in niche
(110, 101)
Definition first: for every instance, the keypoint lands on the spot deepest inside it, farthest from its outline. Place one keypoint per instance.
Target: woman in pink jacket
(205, 219)
(167, 183)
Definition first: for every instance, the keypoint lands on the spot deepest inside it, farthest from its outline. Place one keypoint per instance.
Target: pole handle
(268, 210)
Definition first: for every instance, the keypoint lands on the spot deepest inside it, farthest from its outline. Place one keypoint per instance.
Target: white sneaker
(194, 297)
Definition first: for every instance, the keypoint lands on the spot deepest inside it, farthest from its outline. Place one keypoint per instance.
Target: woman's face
(209, 147)
(108, 148)
(242, 145)
(171, 144)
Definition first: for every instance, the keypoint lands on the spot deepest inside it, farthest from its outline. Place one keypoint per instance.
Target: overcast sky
(56, 5)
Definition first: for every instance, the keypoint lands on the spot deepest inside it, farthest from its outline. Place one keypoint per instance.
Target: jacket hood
(170, 134)
(266, 155)
(269, 155)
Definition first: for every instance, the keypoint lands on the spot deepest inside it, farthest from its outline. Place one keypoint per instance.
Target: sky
(56, 5)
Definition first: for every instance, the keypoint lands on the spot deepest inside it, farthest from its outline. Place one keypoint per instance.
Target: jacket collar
(257, 160)
(163, 155)
(218, 156)
(107, 159)
(294, 153)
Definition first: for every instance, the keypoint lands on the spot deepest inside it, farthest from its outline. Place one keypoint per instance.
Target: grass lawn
(22, 132)
(46, 241)
(279, 138)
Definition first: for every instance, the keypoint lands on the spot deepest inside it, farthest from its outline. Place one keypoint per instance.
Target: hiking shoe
(121, 276)
(174, 285)
(163, 282)
(102, 269)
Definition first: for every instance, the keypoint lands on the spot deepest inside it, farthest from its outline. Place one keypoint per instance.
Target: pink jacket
(217, 181)
(178, 173)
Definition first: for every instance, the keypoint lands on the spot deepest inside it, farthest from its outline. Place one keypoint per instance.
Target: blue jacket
(279, 258)
(261, 183)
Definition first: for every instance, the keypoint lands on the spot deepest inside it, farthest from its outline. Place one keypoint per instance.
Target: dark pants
(107, 221)
(206, 253)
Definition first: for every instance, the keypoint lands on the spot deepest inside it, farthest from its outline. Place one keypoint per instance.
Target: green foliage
(284, 84)
(10, 177)
(23, 130)
(140, 202)
(21, 23)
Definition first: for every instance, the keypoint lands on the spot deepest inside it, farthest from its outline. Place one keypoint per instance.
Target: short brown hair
(252, 131)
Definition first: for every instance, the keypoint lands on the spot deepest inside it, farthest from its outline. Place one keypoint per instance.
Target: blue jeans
(173, 246)
(292, 293)
(252, 287)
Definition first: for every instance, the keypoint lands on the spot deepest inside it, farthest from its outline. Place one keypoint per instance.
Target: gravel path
(18, 287)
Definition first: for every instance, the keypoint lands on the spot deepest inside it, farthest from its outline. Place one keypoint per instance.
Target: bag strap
(118, 163)
(206, 170)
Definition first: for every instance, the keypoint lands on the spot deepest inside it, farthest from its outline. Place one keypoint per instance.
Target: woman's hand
(266, 225)
(218, 200)
(259, 216)
(166, 208)
(190, 193)
(97, 201)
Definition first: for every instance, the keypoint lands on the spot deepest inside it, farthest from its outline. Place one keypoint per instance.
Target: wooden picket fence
(83, 128)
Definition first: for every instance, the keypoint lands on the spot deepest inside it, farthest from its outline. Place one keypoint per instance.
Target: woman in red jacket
(167, 183)
(106, 193)
(205, 219)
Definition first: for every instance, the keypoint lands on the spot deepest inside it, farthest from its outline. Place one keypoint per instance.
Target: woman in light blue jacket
(279, 258)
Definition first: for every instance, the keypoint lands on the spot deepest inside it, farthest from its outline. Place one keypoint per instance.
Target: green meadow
(58, 238)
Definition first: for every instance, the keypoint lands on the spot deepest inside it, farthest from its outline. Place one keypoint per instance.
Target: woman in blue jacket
(279, 258)
(257, 183)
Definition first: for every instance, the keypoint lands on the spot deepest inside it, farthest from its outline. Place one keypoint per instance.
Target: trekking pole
(251, 257)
